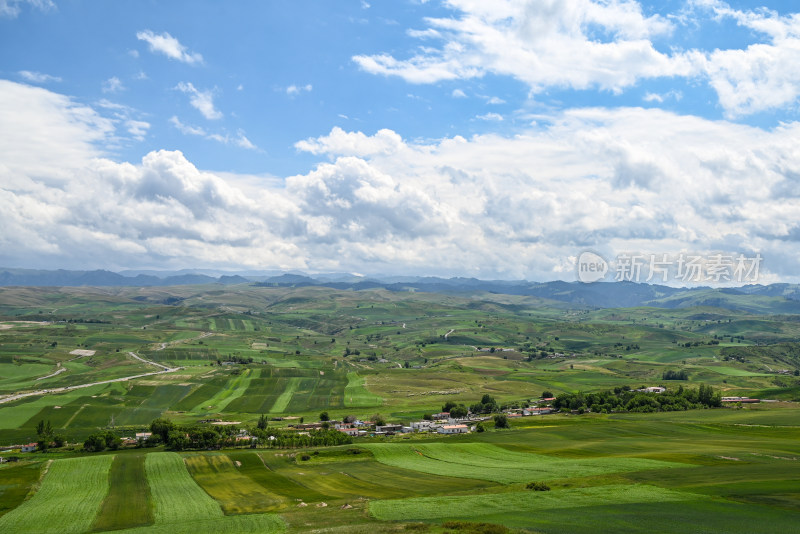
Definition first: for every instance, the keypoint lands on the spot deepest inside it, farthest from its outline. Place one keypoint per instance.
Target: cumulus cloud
(611, 180)
(166, 44)
(606, 45)
(352, 143)
(761, 76)
(578, 44)
(458, 93)
(202, 101)
(37, 77)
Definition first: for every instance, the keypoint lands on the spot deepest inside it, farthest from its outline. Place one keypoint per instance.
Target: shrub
(537, 486)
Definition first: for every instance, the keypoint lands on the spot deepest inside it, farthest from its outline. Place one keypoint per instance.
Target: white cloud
(606, 45)
(612, 180)
(37, 77)
(113, 85)
(12, 8)
(294, 90)
(661, 97)
(763, 75)
(45, 133)
(494, 100)
(168, 45)
(340, 143)
(240, 139)
(490, 117)
(202, 101)
(185, 128)
(578, 44)
(137, 129)
(458, 93)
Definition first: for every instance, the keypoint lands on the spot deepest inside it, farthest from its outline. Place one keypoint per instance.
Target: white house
(30, 447)
(349, 430)
(453, 429)
(537, 411)
(423, 426)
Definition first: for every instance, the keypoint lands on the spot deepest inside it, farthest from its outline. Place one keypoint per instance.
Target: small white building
(453, 429)
(30, 447)
(537, 411)
(349, 430)
(423, 426)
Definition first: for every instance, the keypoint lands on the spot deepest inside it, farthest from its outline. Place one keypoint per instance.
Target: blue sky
(448, 137)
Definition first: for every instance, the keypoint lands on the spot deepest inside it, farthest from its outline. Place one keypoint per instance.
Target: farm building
(348, 429)
(143, 435)
(537, 411)
(453, 429)
(743, 400)
(422, 426)
(389, 428)
(30, 447)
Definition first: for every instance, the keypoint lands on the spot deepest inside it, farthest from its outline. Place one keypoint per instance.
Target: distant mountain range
(773, 298)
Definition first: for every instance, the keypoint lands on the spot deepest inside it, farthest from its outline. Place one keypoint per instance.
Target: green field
(291, 353)
(356, 395)
(489, 462)
(128, 500)
(68, 501)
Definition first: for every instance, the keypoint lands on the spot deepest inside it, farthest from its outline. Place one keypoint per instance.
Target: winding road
(164, 369)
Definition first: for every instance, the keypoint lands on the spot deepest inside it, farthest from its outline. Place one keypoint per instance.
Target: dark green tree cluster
(101, 441)
(290, 439)
(47, 436)
(456, 411)
(675, 375)
(486, 405)
(624, 400)
(501, 421)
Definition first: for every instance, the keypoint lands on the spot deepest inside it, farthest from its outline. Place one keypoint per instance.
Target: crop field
(489, 462)
(176, 497)
(356, 395)
(291, 353)
(16, 482)
(128, 501)
(236, 492)
(68, 501)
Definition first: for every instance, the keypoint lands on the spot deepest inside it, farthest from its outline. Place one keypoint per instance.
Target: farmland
(289, 354)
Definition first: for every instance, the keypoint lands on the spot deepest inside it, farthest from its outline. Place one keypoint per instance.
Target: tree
(458, 412)
(95, 443)
(262, 422)
(45, 433)
(59, 440)
(547, 395)
(162, 427)
(324, 416)
(448, 406)
(378, 420)
(349, 419)
(501, 421)
(480, 428)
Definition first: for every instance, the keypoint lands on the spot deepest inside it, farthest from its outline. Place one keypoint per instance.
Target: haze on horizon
(421, 137)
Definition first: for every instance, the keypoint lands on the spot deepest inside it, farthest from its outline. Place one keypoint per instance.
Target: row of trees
(625, 400)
